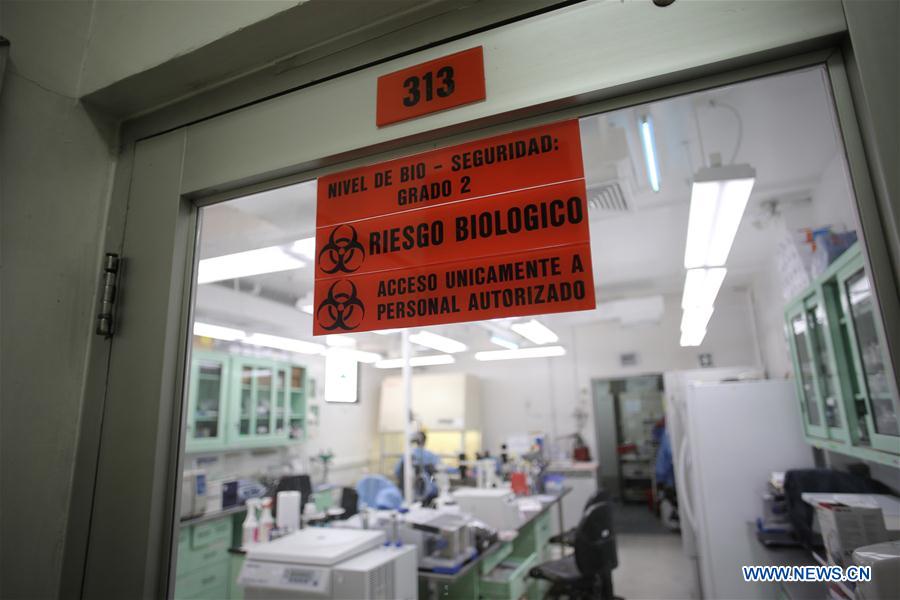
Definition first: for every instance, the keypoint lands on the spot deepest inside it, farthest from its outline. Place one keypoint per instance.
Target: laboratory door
(179, 184)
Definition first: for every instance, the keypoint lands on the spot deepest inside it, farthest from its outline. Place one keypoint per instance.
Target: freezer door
(739, 434)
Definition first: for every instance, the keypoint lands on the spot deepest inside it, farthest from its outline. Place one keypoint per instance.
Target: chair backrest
(349, 502)
(600, 495)
(595, 541)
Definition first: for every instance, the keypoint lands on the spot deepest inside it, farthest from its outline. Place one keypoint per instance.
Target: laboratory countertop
(552, 500)
(213, 515)
(788, 557)
(572, 466)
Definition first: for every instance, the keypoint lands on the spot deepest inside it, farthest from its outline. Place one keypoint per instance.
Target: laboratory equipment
(330, 563)
(884, 560)
(486, 473)
(497, 507)
(445, 541)
(734, 470)
(193, 493)
(288, 515)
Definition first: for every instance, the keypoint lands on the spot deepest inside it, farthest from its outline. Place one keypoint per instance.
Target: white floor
(652, 566)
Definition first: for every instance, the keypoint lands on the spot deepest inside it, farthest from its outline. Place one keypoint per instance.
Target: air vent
(607, 198)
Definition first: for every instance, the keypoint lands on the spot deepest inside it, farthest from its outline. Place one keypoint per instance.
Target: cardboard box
(846, 528)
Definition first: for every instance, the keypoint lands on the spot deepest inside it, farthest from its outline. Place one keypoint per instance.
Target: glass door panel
(245, 416)
(264, 396)
(207, 409)
(871, 355)
(855, 407)
(207, 401)
(829, 391)
(281, 391)
(806, 382)
(297, 403)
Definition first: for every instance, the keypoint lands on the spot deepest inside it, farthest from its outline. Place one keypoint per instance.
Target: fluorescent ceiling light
(535, 332)
(282, 343)
(649, 144)
(542, 352)
(505, 343)
(387, 331)
(305, 247)
(696, 318)
(437, 342)
(693, 325)
(245, 264)
(416, 361)
(365, 357)
(701, 286)
(718, 199)
(692, 338)
(340, 341)
(307, 308)
(218, 332)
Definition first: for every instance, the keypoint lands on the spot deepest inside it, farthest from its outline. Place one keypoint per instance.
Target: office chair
(349, 502)
(567, 538)
(586, 574)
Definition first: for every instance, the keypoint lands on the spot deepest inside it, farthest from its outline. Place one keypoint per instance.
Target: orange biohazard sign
(482, 230)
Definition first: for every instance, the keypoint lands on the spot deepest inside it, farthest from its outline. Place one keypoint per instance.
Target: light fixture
(366, 357)
(218, 332)
(305, 247)
(535, 332)
(387, 331)
(307, 308)
(692, 338)
(340, 341)
(437, 342)
(542, 352)
(693, 324)
(283, 343)
(503, 342)
(718, 199)
(416, 361)
(245, 264)
(650, 156)
(701, 286)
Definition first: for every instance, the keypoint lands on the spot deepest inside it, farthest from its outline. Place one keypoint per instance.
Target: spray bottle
(249, 534)
(266, 521)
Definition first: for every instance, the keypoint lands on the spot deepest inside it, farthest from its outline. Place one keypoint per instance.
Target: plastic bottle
(249, 533)
(266, 521)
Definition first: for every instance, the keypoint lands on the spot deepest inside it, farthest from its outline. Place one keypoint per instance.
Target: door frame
(132, 475)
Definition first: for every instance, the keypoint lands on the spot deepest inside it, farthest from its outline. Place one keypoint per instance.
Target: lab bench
(498, 573)
(204, 567)
(788, 557)
(501, 571)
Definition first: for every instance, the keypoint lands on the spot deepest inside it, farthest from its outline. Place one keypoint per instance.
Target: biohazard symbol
(341, 308)
(343, 252)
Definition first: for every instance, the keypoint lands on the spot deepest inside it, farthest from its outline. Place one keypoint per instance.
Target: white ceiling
(787, 134)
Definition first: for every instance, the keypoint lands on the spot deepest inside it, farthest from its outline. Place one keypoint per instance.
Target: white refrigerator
(732, 437)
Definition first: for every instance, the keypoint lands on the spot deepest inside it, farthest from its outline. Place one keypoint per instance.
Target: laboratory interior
(727, 402)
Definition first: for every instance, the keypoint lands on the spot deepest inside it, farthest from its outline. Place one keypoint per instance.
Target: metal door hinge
(106, 316)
